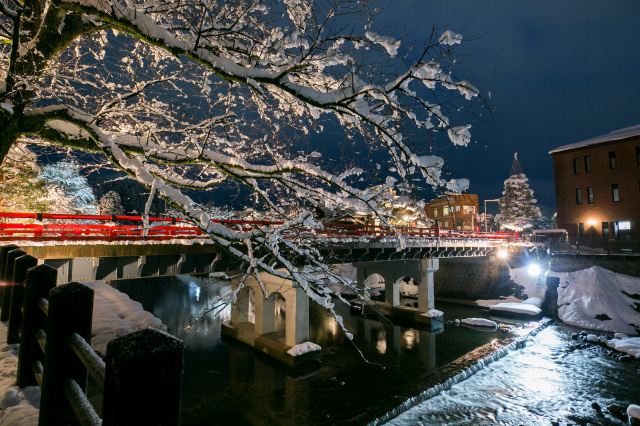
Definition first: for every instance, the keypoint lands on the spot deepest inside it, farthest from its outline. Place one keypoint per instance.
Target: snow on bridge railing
(120, 228)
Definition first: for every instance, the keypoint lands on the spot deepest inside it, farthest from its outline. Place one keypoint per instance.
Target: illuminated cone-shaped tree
(517, 205)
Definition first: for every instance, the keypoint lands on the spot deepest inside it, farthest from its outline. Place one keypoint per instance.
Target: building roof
(616, 135)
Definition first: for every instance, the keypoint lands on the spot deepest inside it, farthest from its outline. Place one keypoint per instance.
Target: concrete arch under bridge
(393, 271)
(261, 332)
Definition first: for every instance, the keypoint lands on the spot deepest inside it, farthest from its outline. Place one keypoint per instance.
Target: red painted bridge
(44, 227)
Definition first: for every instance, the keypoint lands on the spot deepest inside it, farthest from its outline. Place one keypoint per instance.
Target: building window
(435, 212)
(469, 210)
(445, 211)
(612, 159)
(445, 223)
(614, 192)
(587, 164)
(605, 230)
(576, 165)
(458, 208)
(581, 230)
(579, 196)
(590, 195)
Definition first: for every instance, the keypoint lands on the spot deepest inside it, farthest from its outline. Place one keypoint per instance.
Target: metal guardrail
(165, 229)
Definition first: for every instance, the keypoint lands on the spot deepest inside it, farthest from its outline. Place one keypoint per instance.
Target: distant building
(454, 212)
(598, 186)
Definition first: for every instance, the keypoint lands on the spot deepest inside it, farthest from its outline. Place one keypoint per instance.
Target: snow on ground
(114, 315)
(535, 288)
(18, 406)
(628, 345)
(516, 308)
(598, 299)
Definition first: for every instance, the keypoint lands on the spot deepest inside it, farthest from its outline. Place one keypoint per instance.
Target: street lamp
(485, 212)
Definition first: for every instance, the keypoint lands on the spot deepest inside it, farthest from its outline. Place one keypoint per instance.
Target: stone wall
(623, 264)
(472, 278)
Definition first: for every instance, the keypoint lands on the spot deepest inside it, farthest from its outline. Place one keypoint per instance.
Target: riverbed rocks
(616, 411)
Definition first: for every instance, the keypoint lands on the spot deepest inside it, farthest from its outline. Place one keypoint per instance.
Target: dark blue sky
(559, 71)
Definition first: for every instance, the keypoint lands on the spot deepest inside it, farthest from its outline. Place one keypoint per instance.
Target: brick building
(454, 212)
(598, 186)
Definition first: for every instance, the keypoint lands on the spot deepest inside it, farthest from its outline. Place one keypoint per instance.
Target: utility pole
(485, 212)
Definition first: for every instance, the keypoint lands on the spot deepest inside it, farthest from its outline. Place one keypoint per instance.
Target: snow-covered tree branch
(195, 94)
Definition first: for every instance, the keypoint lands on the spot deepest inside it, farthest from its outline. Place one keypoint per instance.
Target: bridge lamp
(534, 270)
(502, 254)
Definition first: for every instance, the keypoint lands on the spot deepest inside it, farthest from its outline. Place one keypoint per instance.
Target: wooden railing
(140, 378)
(119, 228)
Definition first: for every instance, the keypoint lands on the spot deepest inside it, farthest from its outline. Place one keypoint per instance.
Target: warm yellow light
(591, 222)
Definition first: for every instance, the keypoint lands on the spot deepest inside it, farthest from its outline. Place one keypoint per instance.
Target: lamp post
(485, 212)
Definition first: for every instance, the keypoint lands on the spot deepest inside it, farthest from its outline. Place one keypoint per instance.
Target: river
(227, 383)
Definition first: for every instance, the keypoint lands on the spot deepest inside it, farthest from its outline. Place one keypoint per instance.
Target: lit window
(435, 212)
(579, 196)
(624, 226)
(612, 159)
(469, 210)
(576, 165)
(445, 211)
(590, 195)
(458, 208)
(587, 163)
(614, 192)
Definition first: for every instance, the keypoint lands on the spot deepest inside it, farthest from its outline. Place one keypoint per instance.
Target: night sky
(558, 71)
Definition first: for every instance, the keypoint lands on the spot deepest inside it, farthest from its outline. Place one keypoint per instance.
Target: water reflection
(232, 384)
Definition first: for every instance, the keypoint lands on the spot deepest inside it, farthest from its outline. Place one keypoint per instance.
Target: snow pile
(409, 289)
(533, 287)
(531, 306)
(633, 411)
(374, 284)
(432, 313)
(116, 315)
(18, 406)
(628, 345)
(599, 299)
(479, 322)
(303, 348)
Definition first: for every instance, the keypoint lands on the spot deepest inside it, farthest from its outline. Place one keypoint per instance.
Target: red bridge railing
(128, 228)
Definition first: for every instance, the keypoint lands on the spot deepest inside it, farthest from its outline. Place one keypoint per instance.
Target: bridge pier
(261, 333)
(421, 270)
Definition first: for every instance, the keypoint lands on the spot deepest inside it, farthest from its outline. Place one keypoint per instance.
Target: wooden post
(4, 250)
(143, 379)
(40, 281)
(8, 274)
(70, 310)
(21, 263)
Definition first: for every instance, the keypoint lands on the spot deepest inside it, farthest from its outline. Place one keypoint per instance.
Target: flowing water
(227, 383)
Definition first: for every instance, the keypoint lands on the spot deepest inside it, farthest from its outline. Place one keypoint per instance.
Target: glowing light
(534, 270)
(591, 222)
(624, 225)
(502, 254)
